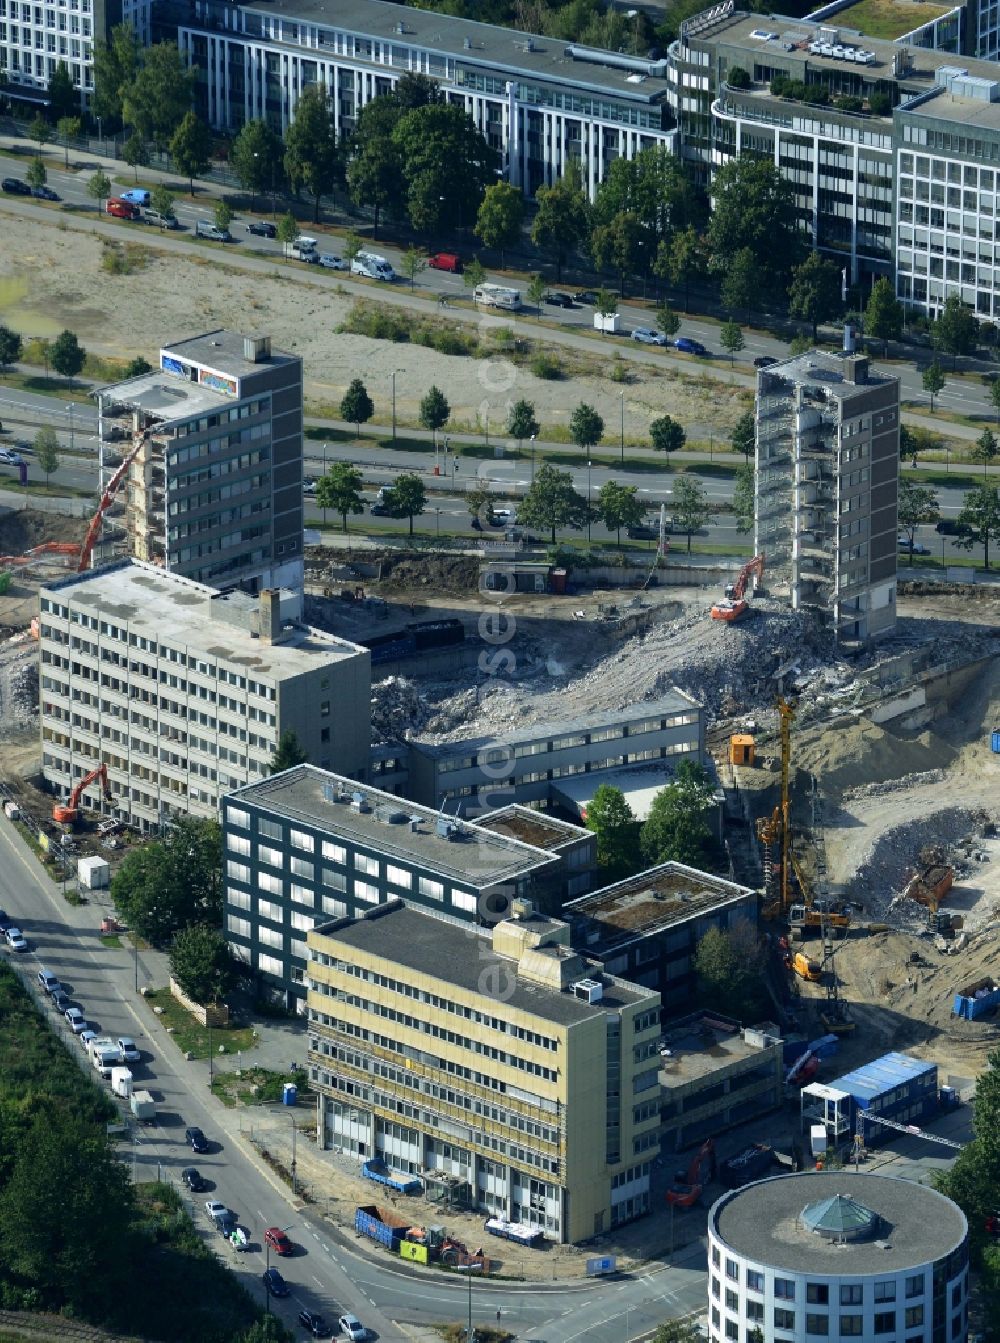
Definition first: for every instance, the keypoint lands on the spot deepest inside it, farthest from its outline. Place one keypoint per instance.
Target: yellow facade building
(498, 1063)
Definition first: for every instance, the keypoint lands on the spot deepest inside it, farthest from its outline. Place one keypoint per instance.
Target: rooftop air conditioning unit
(588, 990)
(522, 908)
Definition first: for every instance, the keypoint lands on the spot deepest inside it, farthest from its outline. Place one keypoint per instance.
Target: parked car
(912, 548)
(137, 196)
(278, 1241)
(203, 229)
(196, 1140)
(648, 335)
(332, 262)
(642, 532)
(128, 1049)
(85, 1038)
(194, 1179)
(216, 1210)
(557, 299)
(951, 527)
(353, 1328)
(61, 1000)
(5, 920)
(75, 1020)
(161, 220)
(16, 940)
(48, 981)
(274, 1282)
(688, 346)
(764, 361)
(308, 485)
(378, 510)
(121, 209)
(15, 187)
(10, 458)
(44, 193)
(262, 228)
(449, 261)
(314, 1322)
(588, 296)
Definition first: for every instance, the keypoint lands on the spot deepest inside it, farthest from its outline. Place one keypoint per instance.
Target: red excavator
(736, 600)
(687, 1187)
(66, 815)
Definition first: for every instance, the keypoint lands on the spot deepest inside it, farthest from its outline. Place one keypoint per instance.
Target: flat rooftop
(546, 59)
(472, 855)
(648, 903)
(761, 1222)
(165, 397)
(533, 827)
(176, 612)
(639, 785)
(699, 1045)
(225, 352)
(825, 369)
(971, 112)
(673, 702)
(463, 956)
(889, 19)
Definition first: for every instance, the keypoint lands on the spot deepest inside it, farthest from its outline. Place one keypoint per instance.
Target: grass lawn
(254, 1085)
(889, 19)
(194, 1038)
(111, 940)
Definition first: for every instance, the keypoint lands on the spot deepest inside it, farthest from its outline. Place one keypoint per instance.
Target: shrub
(544, 366)
(619, 370)
(738, 78)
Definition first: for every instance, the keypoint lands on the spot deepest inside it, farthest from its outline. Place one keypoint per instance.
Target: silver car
(332, 262)
(648, 335)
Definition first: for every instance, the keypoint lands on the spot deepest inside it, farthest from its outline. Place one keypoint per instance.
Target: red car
(122, 209)
(277, 1240)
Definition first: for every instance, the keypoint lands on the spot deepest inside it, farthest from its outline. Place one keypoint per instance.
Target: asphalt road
(966, 397)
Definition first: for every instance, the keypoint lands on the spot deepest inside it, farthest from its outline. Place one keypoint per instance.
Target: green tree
(986, 448)
(586, 427)
(480, 499)
(731, 337)
(995, 396)
(743, 497)
(191, 147)
(684, 261)
(689, 507)
(356, 405)
(408, 497)
(288, 231)
(500, 217)
(980, 519)
(933, 381)
(883, 314)
(434, 411)
(551, 501)
(223, 216)
(666, 435)
(521, 422)
(562, 219)
(312, 160)
(158, 97)
(956, 331)
(618, 506)
(288, 753)
(754, 211)
(677, 1331)
(740, 283)
(677, 828)
(606, 303)
(414, 263)
(667, 320)
(612, 820)
(917, 506)
(10, 346)
(536, 292)
(814, 294)
(255, 157)
(474, 274)
(743, 436)
(448, 165)
(168, 884)
(201, 963)
(135, 152)
(161, 198)
(353, 245)
(729, 967)
(47, 451)
(136, 367)
(340, 489)
(267, 1329)
(657, 189)
(99, 187)
(974, 1178)
(36, 175)
(618, 244)
(64, 101)
(375, 170)
(40, 130)
(116, 64)
(68, 128)
(67, 355)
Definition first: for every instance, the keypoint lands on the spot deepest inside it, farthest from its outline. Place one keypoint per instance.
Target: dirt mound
(440, 573)
(849, 753)
(24, 528)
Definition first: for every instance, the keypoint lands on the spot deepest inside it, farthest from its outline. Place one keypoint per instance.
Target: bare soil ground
(48, 282)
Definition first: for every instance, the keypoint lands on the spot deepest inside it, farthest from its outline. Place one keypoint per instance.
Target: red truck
(122, 209)
(445, 261)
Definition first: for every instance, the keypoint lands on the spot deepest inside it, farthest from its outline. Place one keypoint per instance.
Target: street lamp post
(392, 375)
(623, 428)
(71, 409)
(294, 1135)
(267, 1277)
(135, 949)
(211, 1061)
(588, 499)
(532, 459)
(469, 1336)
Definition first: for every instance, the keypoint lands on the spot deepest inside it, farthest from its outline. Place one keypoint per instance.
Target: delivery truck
(143, 1107)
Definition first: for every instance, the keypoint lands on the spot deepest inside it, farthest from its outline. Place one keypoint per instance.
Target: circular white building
(839, 1256)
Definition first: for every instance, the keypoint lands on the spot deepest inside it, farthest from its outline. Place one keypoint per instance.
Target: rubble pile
(887, 868)
(899, 785)
(23, 705)
(398, 709)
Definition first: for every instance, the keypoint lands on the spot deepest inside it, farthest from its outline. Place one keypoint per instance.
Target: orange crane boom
(735, 601)
(107, 499)
(67, 814)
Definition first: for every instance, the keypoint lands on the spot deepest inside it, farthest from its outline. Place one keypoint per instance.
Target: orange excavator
(107, 499)
(67, 814)
(688, 1185)
(736, 600)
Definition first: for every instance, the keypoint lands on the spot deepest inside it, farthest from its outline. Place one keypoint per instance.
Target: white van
(496, 296)
(373, 266)
(302, 249)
